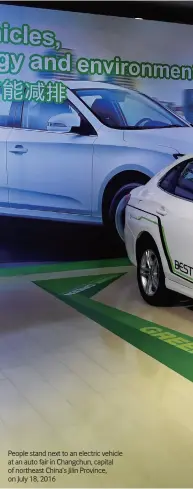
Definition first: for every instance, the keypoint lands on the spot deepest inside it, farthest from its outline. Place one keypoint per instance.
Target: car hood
(178, 139)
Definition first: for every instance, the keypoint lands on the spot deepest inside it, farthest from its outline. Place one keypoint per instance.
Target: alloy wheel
(149, 272)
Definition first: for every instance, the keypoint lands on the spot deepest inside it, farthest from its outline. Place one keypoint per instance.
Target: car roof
(75, 85)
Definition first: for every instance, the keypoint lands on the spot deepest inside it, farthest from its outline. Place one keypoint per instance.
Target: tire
(116, 219)
(151, 278)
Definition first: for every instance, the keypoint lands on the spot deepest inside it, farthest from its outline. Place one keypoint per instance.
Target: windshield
(121, 109)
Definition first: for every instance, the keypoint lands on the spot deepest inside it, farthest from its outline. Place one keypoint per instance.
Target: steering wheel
(142, 121)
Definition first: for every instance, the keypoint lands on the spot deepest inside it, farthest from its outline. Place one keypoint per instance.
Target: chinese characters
(17, 91)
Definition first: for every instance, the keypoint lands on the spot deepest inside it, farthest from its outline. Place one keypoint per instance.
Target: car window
(136, 111)
(187, 174)
(90, 99)
(5, 110)
(179, 181)
(127, 109)
(169, 181)
(184, 187)
(39, 115)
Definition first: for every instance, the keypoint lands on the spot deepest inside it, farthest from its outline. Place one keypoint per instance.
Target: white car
(76, 161)
(159, 233)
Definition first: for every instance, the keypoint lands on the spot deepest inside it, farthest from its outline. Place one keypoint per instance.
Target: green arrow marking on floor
(89, 285)
(171, 348)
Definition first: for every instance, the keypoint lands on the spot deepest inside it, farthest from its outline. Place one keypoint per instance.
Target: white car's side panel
(55, 172)
(175, 217)
(137, 222)
(169, 221)
(4, 192)
(177, 229)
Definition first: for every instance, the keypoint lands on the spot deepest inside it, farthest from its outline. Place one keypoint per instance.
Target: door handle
(19, 149)
(162, 211)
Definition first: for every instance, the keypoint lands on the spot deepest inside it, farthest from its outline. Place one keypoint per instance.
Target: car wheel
(117, 208)
(150, 276)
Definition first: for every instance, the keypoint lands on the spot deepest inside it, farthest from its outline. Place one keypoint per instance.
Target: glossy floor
(66, 383)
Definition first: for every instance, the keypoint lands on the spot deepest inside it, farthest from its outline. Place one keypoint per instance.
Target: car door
(7, 121)
(49, 165)
(174, 208)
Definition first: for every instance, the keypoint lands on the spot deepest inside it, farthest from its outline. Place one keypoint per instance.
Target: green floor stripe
(63, 267)
(129, 328)
(171, 348)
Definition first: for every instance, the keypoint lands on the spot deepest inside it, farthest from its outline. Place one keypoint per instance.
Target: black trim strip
(164, 245)
(145, 212)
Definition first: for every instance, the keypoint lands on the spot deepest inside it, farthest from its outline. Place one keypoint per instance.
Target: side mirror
(64, 122)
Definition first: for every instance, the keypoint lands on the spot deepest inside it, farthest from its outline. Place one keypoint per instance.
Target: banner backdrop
(153, 57)
(90, 107)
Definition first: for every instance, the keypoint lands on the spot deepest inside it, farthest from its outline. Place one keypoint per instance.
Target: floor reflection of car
(159, 233)
(76, 161)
